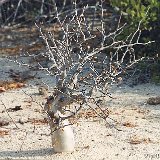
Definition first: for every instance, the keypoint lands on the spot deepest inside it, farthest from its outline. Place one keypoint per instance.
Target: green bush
(146, 11)
(135, 11)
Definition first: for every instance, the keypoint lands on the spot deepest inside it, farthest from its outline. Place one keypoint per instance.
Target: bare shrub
(84, 60)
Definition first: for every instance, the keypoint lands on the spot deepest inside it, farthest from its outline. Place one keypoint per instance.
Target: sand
(139, 123)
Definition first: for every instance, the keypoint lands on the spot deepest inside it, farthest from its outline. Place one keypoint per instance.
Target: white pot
(63, 138)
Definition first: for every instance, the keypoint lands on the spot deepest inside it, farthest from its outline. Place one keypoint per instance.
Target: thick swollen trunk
(61, 130)
(62, 136)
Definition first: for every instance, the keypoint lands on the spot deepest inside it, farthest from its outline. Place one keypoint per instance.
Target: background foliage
(146, 11)
(137, 10)
(13, 12)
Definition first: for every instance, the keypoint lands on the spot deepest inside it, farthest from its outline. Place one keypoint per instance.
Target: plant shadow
(27, 153)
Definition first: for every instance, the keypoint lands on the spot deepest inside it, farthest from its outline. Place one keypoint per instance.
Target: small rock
(3, 122)
(22, 120)
(43, 90)
(153, 100)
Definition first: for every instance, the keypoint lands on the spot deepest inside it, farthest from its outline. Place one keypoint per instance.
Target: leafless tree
(85, 60)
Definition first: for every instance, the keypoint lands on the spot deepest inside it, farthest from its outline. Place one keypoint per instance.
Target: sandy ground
(139, 138)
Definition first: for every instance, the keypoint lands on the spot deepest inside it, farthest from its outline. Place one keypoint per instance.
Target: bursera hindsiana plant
(85, 60)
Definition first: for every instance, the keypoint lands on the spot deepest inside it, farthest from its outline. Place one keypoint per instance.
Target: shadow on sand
(28, 153)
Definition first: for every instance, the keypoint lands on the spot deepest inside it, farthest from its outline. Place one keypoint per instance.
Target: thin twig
(9, 114)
